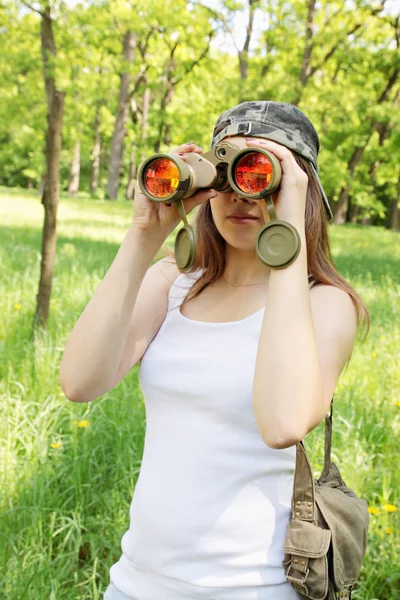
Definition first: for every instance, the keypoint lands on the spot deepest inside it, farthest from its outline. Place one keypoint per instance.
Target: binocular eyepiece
(253, 173)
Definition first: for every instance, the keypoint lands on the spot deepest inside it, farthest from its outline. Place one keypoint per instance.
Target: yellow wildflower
(373, 511)
(83, 423)
(55, 445)
(373, 354)
(389, 507)
(382, 338)
(388, 530)
(17, 306)
(397, 403)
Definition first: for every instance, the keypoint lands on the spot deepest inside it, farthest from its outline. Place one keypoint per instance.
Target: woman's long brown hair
(210, 250)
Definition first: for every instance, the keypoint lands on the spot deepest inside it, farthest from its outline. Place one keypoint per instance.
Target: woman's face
(239, 235)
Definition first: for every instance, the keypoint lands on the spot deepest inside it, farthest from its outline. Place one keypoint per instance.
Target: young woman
(238, 362)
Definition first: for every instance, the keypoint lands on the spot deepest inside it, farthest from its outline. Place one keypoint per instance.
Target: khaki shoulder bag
(326, 538)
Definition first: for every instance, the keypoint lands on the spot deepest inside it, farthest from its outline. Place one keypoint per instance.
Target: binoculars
(253, 173)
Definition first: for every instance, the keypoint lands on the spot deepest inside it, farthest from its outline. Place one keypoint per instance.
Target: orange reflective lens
(253, 173)
(161, 177)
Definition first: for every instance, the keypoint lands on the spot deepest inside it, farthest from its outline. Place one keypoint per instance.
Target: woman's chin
(244, 245)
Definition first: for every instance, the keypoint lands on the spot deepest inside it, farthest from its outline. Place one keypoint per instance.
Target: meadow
(68, 470)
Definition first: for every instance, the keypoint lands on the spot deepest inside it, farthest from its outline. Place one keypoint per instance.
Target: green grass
(64, 509)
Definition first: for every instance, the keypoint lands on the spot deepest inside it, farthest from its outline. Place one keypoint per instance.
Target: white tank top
(212, 502)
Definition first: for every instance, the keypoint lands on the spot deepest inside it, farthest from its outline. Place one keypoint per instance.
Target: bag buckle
(300, 583)
(344, 595)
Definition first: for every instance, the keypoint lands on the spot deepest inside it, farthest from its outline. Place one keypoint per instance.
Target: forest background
(137, 78)
(90, 89)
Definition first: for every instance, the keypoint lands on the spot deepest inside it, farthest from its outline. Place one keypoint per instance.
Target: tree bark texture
(117, 142)
(50, 202)
(50, 196)
(48, 50)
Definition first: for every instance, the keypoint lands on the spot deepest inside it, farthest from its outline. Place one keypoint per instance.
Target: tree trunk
(355, 214)
(132, 173)
(165, 100)
(50, 197)
(117, 142)
(340, 211)
(73, 185)
(50, 202)
(243, 54)
(143, 143)
(170, 87)
(384, 131)
(145, 122)
(306, 63)
(393, 220)
(94, 180)
(42, 184)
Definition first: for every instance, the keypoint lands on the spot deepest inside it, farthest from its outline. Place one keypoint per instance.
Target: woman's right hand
(157, 218)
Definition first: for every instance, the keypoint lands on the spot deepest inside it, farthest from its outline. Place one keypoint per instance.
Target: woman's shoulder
(169, 271)
(173, 276)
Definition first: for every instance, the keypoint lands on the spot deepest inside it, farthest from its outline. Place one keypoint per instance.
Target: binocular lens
(162, 178)
(253, 172)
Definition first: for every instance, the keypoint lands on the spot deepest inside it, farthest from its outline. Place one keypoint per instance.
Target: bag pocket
(347, 517)
(306, 558)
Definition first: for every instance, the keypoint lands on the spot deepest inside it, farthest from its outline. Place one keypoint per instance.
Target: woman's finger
(281, 152)
(199, 197)
(189, 147)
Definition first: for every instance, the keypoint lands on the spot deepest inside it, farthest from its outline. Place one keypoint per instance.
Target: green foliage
(354, 55)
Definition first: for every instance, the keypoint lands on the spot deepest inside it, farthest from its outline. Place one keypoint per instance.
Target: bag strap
(303, 504)
(328, 441)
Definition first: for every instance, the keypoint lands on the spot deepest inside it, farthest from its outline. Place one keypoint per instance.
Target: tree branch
(139, 80)
(333, 50)
(195, 62)
(220, 17)
(328, 55)
(36, 10)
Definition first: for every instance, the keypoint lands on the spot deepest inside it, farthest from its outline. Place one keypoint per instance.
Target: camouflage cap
(276, 121)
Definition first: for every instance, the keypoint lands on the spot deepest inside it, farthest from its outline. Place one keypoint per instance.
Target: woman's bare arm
(94, 348)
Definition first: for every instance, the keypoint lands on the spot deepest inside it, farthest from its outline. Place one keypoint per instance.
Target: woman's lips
(242, 220)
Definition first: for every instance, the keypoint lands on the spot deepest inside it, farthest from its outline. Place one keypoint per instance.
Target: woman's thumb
(199, 198)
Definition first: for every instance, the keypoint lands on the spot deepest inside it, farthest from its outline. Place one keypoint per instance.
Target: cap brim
(325, 199)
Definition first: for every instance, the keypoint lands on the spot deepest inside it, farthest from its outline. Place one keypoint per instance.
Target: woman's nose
(238, 198)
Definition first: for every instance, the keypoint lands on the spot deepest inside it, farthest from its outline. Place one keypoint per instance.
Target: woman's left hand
(290, 197)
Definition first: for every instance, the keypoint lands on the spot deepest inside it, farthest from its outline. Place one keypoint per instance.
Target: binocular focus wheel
(278, 244)
(185, 247)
